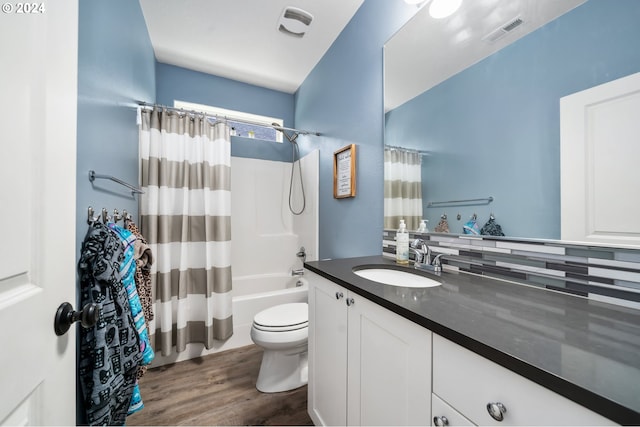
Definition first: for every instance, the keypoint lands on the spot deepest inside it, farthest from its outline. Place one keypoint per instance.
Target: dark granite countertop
(585, 350)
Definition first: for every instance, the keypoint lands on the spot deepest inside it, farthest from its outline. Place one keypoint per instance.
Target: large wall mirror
(472, 105)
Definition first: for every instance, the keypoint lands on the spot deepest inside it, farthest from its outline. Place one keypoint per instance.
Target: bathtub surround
(185, 215)
(306, 225)
(266, 235)
(607, 274)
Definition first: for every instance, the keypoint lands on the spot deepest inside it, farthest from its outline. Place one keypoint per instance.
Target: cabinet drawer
(469, 382)
(439, 408)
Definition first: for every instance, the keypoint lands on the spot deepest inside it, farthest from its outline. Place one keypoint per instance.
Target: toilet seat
(283, 318)
(280, 329)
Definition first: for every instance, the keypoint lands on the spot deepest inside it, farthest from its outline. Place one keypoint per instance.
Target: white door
(38, 99)
(600, 148)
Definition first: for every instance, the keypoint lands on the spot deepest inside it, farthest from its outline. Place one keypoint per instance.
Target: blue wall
(505, 110)
(176, 83)
(342, 98)
(116, 67)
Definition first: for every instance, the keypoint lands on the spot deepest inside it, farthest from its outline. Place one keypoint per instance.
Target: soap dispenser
(423, 226)
(402, 244)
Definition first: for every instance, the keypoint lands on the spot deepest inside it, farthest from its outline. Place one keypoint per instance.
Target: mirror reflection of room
(479, 108)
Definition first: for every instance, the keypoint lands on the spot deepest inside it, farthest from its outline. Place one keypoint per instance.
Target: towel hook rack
(105, 217)
(134, 190)
(90, 218)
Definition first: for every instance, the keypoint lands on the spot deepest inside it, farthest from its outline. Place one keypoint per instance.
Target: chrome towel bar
(93, 176)
(486, 200)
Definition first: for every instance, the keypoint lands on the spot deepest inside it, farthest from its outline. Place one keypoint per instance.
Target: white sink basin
(407, 279)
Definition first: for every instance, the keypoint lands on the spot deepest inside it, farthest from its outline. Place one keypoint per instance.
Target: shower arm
(294, 130)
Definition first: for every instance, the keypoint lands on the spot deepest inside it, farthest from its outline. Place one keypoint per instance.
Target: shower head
(291, 138)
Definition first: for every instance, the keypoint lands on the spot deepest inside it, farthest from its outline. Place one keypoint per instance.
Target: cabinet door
(327, 402)
(389, 367)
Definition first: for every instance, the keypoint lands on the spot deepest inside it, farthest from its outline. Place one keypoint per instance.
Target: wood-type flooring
(214, 390)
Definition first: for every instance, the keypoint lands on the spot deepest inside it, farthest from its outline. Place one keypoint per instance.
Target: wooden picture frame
(344, 172)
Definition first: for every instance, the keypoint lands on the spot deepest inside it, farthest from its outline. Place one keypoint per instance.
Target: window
(258, 128)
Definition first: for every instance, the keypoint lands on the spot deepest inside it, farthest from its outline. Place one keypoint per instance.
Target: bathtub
(252, 294)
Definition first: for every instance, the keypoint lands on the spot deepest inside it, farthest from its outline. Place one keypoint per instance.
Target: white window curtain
(186, 218)
(402, 188)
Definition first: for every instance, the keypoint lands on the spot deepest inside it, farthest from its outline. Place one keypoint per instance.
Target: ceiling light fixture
(442, 8)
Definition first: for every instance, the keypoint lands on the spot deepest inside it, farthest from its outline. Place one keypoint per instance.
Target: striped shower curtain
(402, 188)
(185, 164)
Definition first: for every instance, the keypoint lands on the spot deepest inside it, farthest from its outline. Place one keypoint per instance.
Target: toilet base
(282, 371)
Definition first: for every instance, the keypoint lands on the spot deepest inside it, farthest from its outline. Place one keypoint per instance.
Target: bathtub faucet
(298, 272)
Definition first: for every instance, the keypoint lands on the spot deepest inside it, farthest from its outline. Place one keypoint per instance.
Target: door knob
(66, 316)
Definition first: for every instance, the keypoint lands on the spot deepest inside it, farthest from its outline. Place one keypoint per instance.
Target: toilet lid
(284, 315)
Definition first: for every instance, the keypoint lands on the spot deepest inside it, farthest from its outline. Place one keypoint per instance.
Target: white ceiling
(427, 51)
(239, 39)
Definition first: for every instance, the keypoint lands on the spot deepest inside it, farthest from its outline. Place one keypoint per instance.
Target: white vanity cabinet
(474, 386)
(327, 399)
(367, 365)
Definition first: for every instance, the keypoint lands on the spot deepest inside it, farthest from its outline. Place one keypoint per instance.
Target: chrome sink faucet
(423, 257)
(423, 253)
(437, 263)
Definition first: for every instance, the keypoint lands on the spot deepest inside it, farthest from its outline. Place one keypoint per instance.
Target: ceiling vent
(294, 22)
(503, 30)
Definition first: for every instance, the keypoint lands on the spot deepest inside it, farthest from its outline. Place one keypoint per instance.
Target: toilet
(282, 331)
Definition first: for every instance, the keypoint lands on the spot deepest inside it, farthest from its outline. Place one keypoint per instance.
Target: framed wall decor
(344, 172)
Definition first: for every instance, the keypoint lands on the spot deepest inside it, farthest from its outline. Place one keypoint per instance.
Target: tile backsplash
(607, 274)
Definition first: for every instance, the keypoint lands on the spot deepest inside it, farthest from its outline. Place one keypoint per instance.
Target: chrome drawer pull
(350, 302)
(339, 295)
(440, 421)
(496, 410)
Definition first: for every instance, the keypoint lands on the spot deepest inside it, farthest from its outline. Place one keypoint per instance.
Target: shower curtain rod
(408, 150)
(218, 117)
